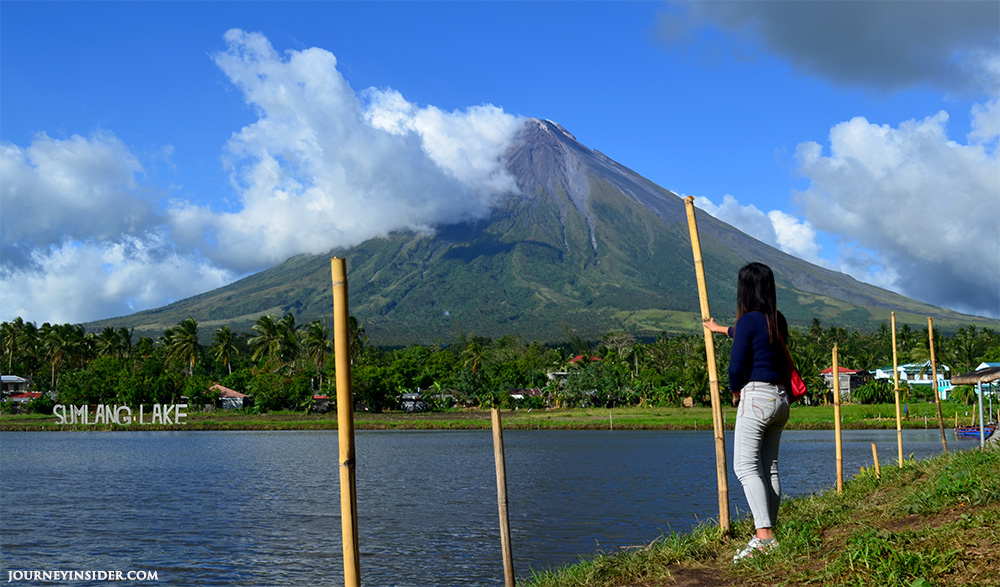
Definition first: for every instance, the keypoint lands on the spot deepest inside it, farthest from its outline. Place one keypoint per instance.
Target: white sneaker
(754, 547)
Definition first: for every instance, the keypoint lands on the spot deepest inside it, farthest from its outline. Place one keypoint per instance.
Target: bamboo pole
(836, 422)
(895, 385)
(713, 377)
(982, 420)
(508, 557)
(345, 425)
(934, 384)
(878, 469)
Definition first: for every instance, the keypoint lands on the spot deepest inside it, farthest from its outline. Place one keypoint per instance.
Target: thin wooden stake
(836, 422)
(713, 377)
(982, 420)
(508, 557)
(895, 385)
(937, 392)
(345, 425)
(878, 469)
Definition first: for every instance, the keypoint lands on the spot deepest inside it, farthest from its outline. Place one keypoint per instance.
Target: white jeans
(762, 415)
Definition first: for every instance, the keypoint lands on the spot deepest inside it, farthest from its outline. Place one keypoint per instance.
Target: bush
(876, 391)
(963, 394)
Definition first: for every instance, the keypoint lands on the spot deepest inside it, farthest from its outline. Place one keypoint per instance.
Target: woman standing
(759, 378)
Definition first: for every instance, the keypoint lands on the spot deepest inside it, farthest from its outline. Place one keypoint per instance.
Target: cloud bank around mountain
(86, 236)
(910, 210)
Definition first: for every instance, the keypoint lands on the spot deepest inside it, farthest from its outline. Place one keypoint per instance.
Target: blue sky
(152, 151)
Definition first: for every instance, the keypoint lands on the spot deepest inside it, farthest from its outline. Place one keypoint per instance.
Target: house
(321, 404)
(11, 384)
(849, 380)
(413, 402)
(25, 397)
(230, 399)
(919, 374)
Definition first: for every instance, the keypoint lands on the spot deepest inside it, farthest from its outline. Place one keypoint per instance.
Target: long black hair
(755, 292)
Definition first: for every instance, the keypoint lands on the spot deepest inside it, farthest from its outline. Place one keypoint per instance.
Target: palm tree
(61, 342)
(10, 332)
(183, 343)
(357, 339)
(266, 343)
(288, 342)
(125, 341)
(316, 341)
(474, 356)
(108, 343)
(225, 347)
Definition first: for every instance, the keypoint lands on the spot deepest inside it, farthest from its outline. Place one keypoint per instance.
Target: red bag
(798, 386)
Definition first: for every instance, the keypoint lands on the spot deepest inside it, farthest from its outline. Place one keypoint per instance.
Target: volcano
(586, 247)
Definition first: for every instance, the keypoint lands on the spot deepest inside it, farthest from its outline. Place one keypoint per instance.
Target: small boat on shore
(988, 430)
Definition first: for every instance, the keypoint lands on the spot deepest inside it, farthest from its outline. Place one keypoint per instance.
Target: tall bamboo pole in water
(345, 425)
(895, 385)
(713, 376)
(836, 422)
(934, 384)
(501, 467)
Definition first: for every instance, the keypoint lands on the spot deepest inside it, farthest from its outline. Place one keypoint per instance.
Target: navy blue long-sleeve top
(753, 358)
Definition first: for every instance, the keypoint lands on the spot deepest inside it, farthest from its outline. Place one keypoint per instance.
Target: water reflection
(262, 508)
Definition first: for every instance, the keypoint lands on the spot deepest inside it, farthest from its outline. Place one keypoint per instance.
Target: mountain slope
(587, 246)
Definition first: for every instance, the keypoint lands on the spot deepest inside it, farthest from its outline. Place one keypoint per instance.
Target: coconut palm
(62, 342)
(108, 343)
(183, 343)
(224, 342)
(266, 342)
(317, 345)
(10, 332)
(288, 342)
(125, 342)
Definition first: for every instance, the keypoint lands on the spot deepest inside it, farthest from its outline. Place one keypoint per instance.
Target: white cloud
(76, 281)
(909, 209)
(795, 236)
(985, 122)
(84, 238)
(74, 188)
(318, 171)
(927, 205)
(776, 228)
(468, 145)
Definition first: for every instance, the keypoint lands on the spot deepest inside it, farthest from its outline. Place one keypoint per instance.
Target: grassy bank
(933, 522)
(920, 415)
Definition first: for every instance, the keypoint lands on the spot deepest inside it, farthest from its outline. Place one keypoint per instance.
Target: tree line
(284, 366)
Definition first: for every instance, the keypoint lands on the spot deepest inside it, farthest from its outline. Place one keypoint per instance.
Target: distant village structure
(850, 379)
(230, 399)
(920, 374)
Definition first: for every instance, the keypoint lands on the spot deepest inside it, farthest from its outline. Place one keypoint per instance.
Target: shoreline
(853, 417)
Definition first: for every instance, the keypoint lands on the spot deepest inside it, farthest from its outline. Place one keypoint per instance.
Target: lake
(263, 508)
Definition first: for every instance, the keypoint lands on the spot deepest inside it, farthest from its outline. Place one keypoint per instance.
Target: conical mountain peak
(588, 245)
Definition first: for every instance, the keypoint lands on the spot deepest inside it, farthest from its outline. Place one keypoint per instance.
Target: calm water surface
(263, 508)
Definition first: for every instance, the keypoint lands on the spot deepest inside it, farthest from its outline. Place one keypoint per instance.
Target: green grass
(697, 418)
(931, 522)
